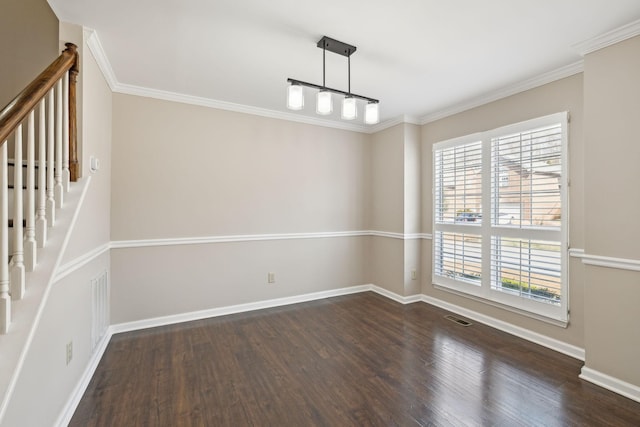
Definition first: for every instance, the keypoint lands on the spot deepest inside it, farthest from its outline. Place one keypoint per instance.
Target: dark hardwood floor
(355, 360)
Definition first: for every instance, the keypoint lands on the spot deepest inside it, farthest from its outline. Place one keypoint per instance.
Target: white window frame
(553, 313)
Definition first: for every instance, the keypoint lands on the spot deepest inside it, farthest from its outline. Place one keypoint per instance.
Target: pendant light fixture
(324, 103)
(295, 97)
(371, 113)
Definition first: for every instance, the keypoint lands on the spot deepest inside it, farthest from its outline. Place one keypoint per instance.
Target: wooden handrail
(18, 109)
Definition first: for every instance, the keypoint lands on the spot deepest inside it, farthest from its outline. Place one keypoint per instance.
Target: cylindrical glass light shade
(324, 105)
(371, 113)
(349, 110)
(295, 97)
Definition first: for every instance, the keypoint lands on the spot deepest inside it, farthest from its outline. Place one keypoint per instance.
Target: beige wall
(386, 210)
(46, 382)
(28, 43)
(612, 155)
(395, 207)
(167, 280)
(562, 95)
(184, 170)
(93, 227)
(187, 171)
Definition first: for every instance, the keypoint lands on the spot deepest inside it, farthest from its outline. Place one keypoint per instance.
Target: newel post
(73, 124)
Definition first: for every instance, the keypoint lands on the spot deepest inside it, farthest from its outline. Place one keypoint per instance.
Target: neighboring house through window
(500, 216)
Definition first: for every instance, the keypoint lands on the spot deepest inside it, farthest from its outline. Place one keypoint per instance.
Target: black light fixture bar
(338, 91)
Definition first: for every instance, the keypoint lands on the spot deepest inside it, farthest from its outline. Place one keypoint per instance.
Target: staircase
(38, 163)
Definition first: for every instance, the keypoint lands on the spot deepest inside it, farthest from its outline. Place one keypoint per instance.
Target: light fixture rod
(338, 91)
(349, 73)
(324, 66)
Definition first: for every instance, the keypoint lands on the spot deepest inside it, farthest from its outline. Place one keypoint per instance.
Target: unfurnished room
(284, 213)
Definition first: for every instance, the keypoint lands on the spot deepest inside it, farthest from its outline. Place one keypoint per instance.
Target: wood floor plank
(355, 360)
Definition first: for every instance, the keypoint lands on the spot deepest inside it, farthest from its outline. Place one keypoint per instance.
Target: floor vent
(458, 320)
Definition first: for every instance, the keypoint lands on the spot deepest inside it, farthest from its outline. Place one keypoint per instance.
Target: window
(500, 223)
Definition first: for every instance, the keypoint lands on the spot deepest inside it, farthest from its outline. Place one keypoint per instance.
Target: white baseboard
(611, 383)
(543, 340)
(67, 412)
(233, 309)
(392, 295)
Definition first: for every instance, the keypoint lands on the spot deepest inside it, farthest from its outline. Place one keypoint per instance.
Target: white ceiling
(418, 57)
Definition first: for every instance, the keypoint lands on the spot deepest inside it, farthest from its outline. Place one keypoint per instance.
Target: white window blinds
(500, 215)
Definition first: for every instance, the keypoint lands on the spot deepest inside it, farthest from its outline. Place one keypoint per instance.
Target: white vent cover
(99, 308)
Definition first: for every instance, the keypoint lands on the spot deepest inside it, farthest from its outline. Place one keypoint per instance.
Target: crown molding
(238, 108)
(617, 35)
(93, 42)
(393, 122)
(539, 80)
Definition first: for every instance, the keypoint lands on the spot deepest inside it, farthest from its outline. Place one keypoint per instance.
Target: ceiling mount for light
(324, 104)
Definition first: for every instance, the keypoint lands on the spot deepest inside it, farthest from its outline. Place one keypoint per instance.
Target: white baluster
(41, 216)
(17, 261)
(51, 203)
(66, 175)
(5, 297)
(57, 189)
(30, 254)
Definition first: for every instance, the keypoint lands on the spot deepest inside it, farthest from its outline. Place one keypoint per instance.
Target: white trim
(79, 262)
(94, 45)
(393, 122)
(393, 296)
(388, 234)
(543, 340)
(415, 236)
(576, 252)
(611, 262)
(605, 261)
(617, 35)
(613, 384)
(121, 244)
(233, 309)
(534, 82)
(76, 395)
(238, 108)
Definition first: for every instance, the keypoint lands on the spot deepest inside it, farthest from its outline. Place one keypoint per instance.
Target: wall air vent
(457, 320)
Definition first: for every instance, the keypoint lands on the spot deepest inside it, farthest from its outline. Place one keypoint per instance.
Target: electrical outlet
(271, 278)
(69, 351)
(414, 274)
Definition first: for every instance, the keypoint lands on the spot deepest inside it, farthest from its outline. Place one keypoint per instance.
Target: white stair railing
(30, 246)
(51, 142)
(35, 201)
(57, 189)
(17, 253)
(41, 219)
(5, 296)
